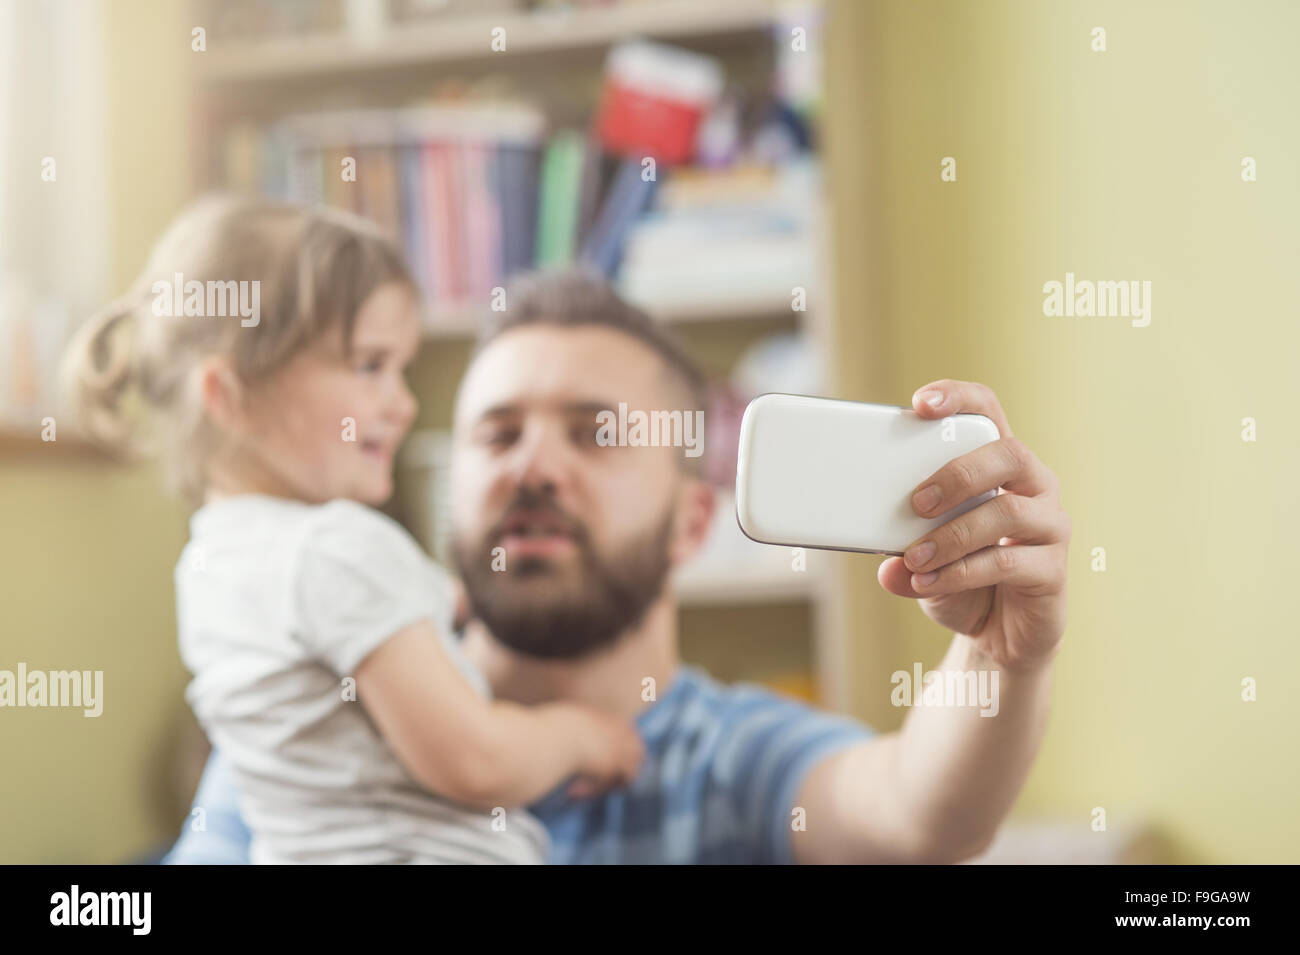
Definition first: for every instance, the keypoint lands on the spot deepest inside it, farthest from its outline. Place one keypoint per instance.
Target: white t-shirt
(278, 601)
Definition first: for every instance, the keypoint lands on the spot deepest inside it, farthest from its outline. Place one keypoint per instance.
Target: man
(584, 610)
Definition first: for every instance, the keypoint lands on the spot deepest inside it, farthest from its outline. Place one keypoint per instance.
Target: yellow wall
(1117, 165)
(89, 549)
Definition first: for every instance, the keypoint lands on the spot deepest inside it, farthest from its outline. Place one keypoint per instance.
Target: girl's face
(328, 424)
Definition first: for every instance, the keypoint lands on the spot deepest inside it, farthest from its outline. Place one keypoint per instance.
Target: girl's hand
(610, 751)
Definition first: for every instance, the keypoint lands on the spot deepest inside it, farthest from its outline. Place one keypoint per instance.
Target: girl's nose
(405, 405)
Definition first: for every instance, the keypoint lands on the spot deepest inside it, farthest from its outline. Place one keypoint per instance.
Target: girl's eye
(372, 365)
(502, 437)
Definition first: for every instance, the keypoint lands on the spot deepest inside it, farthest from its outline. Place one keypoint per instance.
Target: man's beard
(526, 607)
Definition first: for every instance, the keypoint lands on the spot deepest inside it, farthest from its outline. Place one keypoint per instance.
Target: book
(378, 188)
(515, 171)
(413, 216)
(557, 214)
(629, 197)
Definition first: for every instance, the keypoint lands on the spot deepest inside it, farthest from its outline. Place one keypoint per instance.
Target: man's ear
(696, 502)
(221, 393)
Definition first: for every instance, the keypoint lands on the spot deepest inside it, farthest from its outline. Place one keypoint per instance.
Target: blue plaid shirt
(722, 770)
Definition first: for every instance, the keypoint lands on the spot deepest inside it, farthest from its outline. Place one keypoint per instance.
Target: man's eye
(371, 366)
(584, 435)
(502, 437)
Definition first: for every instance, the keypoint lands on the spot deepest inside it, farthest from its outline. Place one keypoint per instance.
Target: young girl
(272, 341)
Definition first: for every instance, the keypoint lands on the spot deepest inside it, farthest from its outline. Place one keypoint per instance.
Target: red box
(654, 100)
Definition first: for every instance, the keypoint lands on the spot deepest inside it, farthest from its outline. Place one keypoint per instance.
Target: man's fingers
(960, 397)
(894, 576)
(1004, 463)
(1035, 570)
(1029, 520)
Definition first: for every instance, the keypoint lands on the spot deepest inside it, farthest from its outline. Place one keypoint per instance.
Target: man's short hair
(574, 296)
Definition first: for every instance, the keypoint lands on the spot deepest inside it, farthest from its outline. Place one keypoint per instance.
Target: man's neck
(612, 679)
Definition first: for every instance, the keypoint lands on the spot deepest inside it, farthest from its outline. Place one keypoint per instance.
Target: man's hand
(996, 573)
(937, 789)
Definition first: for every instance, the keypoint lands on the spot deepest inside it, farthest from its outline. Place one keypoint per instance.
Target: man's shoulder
(725, 764)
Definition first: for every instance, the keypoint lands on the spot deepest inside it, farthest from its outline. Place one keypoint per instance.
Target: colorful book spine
(557, 216)
(411, 209)
(482, 239)
(628, 198)
(434, 216)
(516, 171)
(472, 194)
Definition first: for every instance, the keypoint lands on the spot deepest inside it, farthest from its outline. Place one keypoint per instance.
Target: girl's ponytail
(100, 367)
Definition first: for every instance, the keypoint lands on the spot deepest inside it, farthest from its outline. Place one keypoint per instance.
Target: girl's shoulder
(346, 539)
(351, 524)
(340, 533)
(344, 517)
(358, 577)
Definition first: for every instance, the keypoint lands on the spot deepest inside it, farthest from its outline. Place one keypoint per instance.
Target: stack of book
(726, 240)
(476, 193)
(456, 185)
(473, 193)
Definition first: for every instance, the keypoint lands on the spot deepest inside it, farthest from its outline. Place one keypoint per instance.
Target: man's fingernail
(926, 498)
(920, 554)
(924, 580)
(932, 398)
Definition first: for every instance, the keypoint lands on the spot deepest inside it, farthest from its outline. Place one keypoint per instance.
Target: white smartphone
(839, 475)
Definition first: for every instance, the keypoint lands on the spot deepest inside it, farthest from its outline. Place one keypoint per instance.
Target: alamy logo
(653, 429)
(58, 688)
(102, 908)
(1086, 299)
(946, 688)
(175, 298)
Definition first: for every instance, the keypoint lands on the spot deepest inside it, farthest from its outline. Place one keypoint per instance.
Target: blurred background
(796, 232)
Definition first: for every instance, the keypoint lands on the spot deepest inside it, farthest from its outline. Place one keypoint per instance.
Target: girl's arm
(479, 752)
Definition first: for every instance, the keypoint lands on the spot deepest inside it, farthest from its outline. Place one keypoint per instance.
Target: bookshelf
(463, 321)
(27, 444)
(556, 59)
(461, 38)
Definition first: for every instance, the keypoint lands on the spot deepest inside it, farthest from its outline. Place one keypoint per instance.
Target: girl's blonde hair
(315, 267)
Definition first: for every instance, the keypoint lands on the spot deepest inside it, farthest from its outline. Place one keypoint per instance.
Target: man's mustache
(541, 504)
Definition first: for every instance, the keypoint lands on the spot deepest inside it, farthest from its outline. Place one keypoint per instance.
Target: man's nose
(540, 460)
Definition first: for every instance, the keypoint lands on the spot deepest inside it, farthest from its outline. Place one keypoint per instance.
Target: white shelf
(443, 322)
(26, 442)
(462, 38)
(461, 321)
(733, 569)
(730, 308)
(739, 584)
